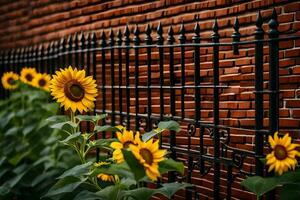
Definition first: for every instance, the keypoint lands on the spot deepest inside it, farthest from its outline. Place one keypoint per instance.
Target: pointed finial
(148, 37)
(236, 24)
(111, 37)
(215, 28)
(126, 31)
(273, 23)
(196, 37)
(93, 39)
(182, 36)
(160, 38)
(159, 29)
(82, 38)
(126, 35)
(171, 38)
(259, 20)
(119, 36)
(103, 39)
(136, 33)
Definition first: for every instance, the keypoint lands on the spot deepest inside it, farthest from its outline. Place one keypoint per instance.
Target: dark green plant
(30, 154)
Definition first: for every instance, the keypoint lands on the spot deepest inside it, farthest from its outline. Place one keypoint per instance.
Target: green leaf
(260, 185)
(109, 128)
(87, 195)
(101, 143)
(91, 118)
(113, 192)
(134, 165)
(169, 189)
(171, 165)
(77, 171)
(289, 177)
(121, 170)
(290, 192)
(127, 182)
(4, 190)
(60, 125)
(72, 138)
(18, 157)
(148, 135)
(141, 193)
(58, 118)
(65, 185)
(169, 125)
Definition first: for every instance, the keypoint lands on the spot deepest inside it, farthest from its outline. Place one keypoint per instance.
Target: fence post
(160, 42)
(172, 139)
(112, 75)
(69, 49)
(103, 76)
(136, 41)
(182, 39)
(216, 138)
(236, 36)
(75, 48)
(62, 51)
(127, 43)
(82, 53)
(148, 41)
(259, 139)
(119, 42)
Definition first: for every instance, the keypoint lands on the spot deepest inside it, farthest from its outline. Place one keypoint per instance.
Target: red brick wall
(26, 22)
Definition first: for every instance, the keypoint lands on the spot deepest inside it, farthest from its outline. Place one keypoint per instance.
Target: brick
(293, 103)
(296, 113)
(291, 7)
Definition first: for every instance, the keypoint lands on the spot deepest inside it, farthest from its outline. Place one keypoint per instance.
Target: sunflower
(27, 75)
(106, 177)
(9, 80)
(42, 81)
(149, 155)
(283, 155)
(125, 139)
(73, 89)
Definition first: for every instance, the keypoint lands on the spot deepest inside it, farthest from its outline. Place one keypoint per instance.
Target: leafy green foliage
(30, 155)
(261, 185)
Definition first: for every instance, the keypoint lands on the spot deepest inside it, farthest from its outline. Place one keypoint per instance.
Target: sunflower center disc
(74, 91)
(147, 156)
(280, 152)
(11, 81)
(28, 77)
(42, 83)
(126, 144)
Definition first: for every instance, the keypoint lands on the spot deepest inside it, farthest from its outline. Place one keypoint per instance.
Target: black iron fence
(132, 72)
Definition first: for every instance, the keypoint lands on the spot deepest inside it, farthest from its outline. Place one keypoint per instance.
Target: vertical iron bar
(229, 182)
(92, 43)
(103, 76)
(119, 41)
(49, 69)
(136, 40)
(56, 62)
(42, 63)
(112, 75)
(36, 58)
(69, 49)
(160, 42)
(11, 60)
(22, 60)
(182, 39)
(50, 58)
(273, 74)
(62, 51)
(172, 139)
(148, 41)
(216, 140)
(75, 48)
(82, 53)
(259, 139)
(273, 81)
(127, 43)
